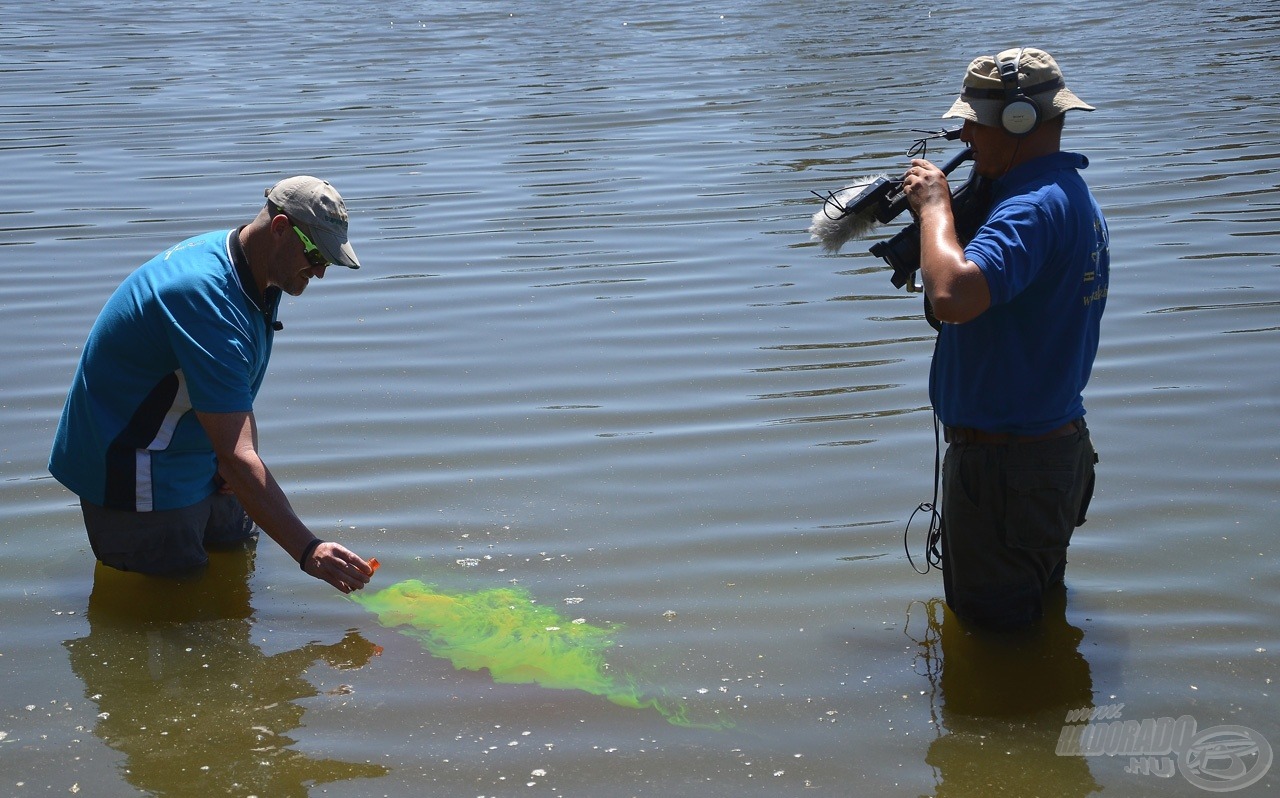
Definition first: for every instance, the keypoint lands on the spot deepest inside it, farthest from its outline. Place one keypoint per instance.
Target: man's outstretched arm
(234, 437)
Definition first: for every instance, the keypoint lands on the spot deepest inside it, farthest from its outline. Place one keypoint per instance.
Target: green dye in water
(518, 641)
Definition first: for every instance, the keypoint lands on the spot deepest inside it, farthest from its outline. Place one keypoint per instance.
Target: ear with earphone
(1020, 115)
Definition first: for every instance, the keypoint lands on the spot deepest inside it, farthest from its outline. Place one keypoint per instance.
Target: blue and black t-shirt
(186, 330)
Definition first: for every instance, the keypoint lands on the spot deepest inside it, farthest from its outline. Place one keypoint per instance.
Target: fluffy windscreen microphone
(853, 211)
(848, 213)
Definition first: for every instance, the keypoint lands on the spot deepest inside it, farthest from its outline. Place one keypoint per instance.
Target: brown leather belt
(968, 435)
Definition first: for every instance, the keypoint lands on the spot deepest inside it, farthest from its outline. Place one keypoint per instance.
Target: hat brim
(987, 112)
(336, 248)
(984, 112)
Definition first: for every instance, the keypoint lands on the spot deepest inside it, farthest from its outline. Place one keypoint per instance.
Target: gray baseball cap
(318, 205)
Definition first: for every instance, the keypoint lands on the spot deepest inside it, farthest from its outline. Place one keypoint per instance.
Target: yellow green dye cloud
(516, 640)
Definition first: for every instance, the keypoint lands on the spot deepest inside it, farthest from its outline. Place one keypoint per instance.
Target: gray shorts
(164, 542)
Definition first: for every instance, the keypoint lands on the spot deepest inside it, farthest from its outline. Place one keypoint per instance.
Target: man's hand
(337, 565)
(925, 186)
(234, 437)
(955, 286)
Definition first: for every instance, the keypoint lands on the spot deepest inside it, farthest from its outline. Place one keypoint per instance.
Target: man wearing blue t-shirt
(1020, 304)
(157, 436)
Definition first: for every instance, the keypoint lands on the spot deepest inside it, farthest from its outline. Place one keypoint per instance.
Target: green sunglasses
(312, 253)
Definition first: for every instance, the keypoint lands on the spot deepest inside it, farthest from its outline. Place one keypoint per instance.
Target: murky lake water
(592, 355)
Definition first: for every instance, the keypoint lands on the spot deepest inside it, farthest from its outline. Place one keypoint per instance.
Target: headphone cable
(933, 535)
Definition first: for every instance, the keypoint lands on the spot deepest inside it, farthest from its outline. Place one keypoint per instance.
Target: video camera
(902, 251)
(859, 208)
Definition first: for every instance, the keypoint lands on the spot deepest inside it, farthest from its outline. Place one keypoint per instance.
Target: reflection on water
(999, 701)
(594, 342)
(185, 694)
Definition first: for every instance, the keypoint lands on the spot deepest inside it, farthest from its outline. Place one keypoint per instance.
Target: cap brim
(337, 249)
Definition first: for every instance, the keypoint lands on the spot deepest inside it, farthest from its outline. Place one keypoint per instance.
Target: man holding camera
(1020, 303)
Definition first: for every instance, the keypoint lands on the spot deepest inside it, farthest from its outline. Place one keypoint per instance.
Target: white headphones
(1020, 115)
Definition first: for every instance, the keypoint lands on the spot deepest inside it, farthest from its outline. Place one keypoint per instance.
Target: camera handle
(896, 201)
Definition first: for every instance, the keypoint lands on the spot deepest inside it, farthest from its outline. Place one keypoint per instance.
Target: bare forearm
(949, 278)
(265, 502)
(956, 287)
(234, 438)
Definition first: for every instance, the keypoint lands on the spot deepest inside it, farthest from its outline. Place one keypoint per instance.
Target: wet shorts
(166, 541)
(1008, 512)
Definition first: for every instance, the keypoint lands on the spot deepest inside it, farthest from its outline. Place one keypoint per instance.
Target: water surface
(592, 354)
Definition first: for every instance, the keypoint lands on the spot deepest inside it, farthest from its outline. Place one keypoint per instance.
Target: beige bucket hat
(983, 98)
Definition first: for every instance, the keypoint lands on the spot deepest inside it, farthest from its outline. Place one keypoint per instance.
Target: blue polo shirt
(186, 330)
(1021, 366)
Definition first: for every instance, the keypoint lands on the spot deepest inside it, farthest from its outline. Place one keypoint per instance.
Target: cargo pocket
(1039, 511)
(1087, 497)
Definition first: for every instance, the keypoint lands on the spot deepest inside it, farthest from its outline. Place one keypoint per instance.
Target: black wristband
(306, 553)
